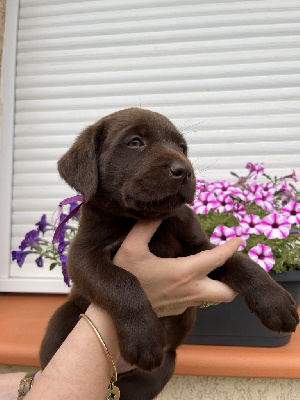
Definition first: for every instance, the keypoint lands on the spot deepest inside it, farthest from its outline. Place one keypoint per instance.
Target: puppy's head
(135, 159)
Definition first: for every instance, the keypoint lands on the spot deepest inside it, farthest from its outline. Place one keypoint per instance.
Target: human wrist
(106, 327)
(80, 367)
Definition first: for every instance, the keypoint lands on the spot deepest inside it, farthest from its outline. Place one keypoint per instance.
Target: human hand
(174, 284)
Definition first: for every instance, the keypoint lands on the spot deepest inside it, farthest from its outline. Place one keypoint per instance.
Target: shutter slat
(161, 99)
(193, 133)
(67, 36)
(165, 6)
(88, 117)
(253, 56)
(162, 74)
(178, 87)
(148, 50)
(203, 111)
(235, 9)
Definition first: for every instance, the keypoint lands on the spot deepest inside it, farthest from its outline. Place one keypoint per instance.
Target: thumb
(208, 260)
(216, 292)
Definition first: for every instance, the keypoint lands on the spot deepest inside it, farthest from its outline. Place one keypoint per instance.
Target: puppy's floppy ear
(79, 166)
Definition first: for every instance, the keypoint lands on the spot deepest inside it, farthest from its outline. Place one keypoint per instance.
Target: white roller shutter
(226, 72)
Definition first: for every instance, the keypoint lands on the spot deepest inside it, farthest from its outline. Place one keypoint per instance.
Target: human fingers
(209, 260)
(139, 237)
(214, 292)
(208, 290)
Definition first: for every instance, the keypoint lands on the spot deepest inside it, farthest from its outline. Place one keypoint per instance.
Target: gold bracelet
(113, 391)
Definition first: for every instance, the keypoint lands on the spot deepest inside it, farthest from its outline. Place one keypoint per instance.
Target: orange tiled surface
(24, 319)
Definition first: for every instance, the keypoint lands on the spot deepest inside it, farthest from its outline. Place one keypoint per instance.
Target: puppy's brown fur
(133, 165)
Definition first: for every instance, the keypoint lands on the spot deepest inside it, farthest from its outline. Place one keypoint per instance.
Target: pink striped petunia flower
(222, 187)
(292, 212)
(269, 187)
(276, 226)
(224, 203)
(201, 185)
(255, 170)
(204, 203)
(239, 211)
(221, 234)
(243, 233)
(235, 191)
(292, 176)
(246, 195)
(263, 256)
(254, 187)
(264, 200)
(253, 222)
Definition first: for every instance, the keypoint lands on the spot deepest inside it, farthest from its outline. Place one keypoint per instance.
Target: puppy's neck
(100, 205)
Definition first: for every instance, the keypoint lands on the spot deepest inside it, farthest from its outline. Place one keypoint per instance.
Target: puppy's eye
(183, 148)
(135, 142)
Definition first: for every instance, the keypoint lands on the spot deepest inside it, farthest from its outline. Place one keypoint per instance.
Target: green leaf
(52, 266)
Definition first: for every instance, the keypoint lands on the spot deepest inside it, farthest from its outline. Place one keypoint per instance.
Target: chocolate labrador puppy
(133, 165)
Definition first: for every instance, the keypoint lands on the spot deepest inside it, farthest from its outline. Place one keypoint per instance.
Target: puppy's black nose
(179, 170)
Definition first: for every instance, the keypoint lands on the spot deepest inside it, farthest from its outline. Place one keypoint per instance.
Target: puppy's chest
(163, 244)
(166, 245)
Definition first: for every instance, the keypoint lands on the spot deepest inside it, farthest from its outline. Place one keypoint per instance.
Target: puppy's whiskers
(182, 126)
(187, 128)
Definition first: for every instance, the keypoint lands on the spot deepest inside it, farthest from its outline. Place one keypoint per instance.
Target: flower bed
(266, 215)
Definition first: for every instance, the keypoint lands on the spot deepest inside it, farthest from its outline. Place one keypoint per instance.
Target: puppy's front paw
(142, 343)
(276, 309)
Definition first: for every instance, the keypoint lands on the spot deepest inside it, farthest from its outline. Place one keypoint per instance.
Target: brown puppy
(133, 165)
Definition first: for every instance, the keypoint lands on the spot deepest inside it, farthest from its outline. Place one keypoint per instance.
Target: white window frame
(8, 284)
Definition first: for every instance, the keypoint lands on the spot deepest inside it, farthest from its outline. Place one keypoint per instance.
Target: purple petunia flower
(224, 203)
(63, 260)
(204, 202)
(292, 212)
(62, 245)
(61, 240)
(39, 262)
(20, 256)
(243, 233)
(252, 222)
(264, 200)
(221, 234)
(276, 226)
(263, 256)
(31, 240)
(42, 224)
(294, 232)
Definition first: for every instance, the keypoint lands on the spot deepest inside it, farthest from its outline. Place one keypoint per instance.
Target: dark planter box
(233, 324)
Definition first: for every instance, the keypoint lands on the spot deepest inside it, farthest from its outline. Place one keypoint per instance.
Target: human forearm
(80, 368)
(9, 385)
